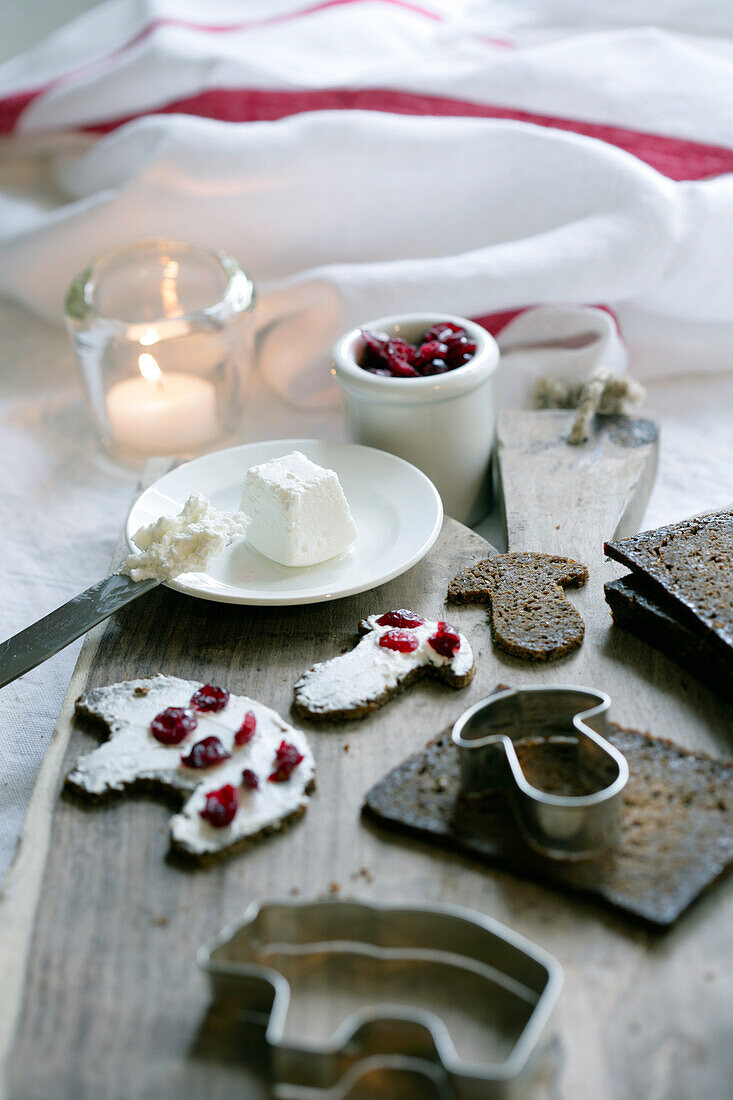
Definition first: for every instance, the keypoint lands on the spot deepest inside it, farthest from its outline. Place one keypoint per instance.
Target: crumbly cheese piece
(298, 512)
(369, 674)
(133, 756)
(185, 543)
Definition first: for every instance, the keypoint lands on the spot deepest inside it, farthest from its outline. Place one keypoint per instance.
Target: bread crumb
(364, 873)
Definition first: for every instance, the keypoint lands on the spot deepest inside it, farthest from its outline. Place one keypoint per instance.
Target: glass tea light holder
(162, 333)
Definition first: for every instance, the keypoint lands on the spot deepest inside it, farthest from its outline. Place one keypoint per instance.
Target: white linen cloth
(364, 157)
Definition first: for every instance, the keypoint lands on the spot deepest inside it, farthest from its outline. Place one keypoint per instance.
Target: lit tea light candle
(164, 347)
(162, 412)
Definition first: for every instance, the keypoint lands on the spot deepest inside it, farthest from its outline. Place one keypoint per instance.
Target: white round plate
(396, 508)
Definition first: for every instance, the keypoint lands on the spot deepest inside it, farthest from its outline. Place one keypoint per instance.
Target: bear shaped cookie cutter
(564, 719)
(348, 988)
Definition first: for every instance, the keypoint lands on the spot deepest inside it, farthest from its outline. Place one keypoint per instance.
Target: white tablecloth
(534, 214)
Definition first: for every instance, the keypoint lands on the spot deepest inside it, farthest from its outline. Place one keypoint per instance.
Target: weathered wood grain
(640, 1016)
(113, 1005)
(20, 889)
(563, 500)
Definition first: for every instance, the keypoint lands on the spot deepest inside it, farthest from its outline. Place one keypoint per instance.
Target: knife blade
(53, 632)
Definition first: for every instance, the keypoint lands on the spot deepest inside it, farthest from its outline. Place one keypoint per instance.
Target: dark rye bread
(530, 615)
(652, 617)
(676, 834)
(691, 563)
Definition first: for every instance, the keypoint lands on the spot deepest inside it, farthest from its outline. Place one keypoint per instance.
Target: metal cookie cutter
(564, 826)
(351, 990)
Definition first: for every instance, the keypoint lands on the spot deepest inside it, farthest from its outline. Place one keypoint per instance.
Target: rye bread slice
(691, 563)
(530, 615)
(364, 678)
(131, 759)
(653, 618)
(676, 835)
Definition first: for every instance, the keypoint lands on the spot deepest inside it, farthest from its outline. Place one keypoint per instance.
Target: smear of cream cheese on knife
(185, 543)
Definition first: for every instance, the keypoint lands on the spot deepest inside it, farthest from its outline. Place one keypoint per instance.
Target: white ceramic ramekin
(443, 424)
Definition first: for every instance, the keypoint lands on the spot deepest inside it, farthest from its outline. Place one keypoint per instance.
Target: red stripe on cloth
(270, 20)
(12, 107)
(495, 323)
(676, 158)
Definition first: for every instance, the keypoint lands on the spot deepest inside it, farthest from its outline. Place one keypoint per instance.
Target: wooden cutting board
(104, 998)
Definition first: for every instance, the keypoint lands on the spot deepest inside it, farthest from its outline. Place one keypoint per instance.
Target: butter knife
(53, 632)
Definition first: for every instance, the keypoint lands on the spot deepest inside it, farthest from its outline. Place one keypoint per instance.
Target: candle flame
(149, 368)
(149, 337)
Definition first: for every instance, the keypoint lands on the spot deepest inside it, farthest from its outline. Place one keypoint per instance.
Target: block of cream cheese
(297, 511)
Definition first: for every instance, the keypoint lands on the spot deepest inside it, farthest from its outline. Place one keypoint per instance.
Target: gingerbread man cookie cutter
(399, 983)
(562, 826)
